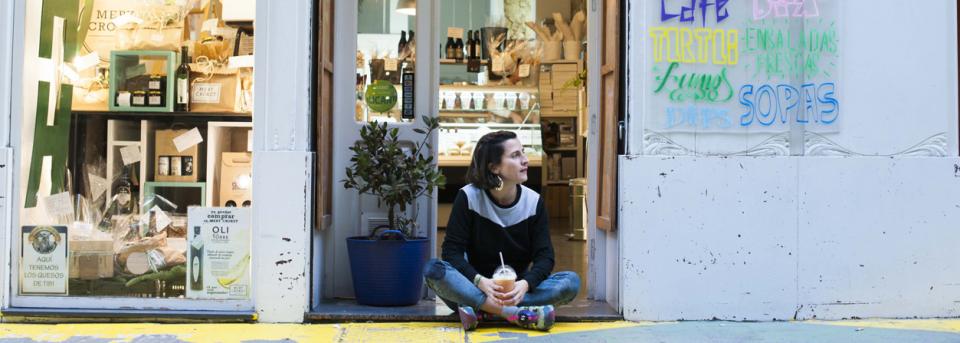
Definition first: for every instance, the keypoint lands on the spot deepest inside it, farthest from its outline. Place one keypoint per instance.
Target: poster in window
(43, 262)
(218, 254)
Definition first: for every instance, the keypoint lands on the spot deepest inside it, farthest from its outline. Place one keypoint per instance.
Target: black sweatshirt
(481, 228)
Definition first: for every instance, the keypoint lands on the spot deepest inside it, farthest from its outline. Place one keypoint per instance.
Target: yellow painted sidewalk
(884, 330)
(354, 332)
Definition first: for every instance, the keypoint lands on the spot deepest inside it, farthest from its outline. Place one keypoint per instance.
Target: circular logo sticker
(44, 239)
(381, 96)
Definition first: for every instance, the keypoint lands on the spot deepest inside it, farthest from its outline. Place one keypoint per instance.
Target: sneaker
(534, 317)
(468, 318)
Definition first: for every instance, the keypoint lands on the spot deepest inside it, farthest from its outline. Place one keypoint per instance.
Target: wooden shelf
(168, 116)
(450, 61)
(488, 89)
(464, 161)
(560, 62)
(561, 149)
(558, 183)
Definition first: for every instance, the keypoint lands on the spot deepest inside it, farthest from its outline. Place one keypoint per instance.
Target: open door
(609, 115)
(324, 110)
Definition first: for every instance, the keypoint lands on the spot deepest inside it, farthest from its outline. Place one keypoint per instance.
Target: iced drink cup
(505, 277)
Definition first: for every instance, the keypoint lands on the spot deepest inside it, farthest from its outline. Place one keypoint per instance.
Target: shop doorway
(533, 83)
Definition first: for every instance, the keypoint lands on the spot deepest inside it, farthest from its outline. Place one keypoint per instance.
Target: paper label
(187, 140)
(154, 84)
(524, 70)
(206, 93)
(390, 64)
(497, 65)
(162, 219)
(236, 62)
(98, 186)
(123, 99)
(86, 61)
(218, 257)
(183, 93)
(130, 154)
(44, 260)
(59, 204)
(209, 25)
(455, 32)
(127, 19)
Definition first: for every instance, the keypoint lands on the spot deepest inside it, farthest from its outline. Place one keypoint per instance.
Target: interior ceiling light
(408, 7)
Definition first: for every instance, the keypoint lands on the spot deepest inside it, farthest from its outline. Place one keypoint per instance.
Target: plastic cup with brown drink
(505, 277)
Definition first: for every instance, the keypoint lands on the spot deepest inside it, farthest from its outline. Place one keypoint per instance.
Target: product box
(568, 168)
(236, 179)
(172, 165)
(91, 260)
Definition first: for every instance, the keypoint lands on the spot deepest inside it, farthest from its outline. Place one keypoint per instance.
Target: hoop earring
(499, 183)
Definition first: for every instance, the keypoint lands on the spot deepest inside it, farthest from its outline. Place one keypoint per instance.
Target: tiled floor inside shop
(570, 255)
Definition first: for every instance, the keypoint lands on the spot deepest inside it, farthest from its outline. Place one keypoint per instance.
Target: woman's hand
(491, 289)
(514, 297)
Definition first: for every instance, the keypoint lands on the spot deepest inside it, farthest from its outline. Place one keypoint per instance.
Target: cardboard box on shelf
(568, 168)
(236, 179)
(91, 260)
(171, 164)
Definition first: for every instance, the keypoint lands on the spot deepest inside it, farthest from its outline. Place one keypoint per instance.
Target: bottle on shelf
(411, 45)
(196, 261)
(451, 54)
(402, 46)
(470, 44)
(183, 82)
(478, 44)
(459, 49)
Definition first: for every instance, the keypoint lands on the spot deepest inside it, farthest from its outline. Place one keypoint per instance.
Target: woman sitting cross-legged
(493, 215)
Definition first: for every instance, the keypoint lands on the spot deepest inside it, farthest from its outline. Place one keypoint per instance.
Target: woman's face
(513, 163)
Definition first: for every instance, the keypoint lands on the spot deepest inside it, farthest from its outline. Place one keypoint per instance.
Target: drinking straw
(501, 260)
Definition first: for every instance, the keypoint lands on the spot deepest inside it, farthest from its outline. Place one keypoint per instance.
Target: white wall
(761, 238)
(746, 238)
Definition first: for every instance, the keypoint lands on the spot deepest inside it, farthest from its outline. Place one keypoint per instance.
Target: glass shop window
(136, 150)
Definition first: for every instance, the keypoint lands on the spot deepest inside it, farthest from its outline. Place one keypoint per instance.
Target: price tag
(236, 62)
(162, 219)
(187, 140)
(390, 64)
(130, 154)
(209, 25)
(497, 65)
(455, 32)
(98, 186)
(59, 204)
(524, 70)
(86, 61)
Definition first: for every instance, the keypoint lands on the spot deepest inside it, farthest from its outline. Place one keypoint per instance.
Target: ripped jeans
(455, 290)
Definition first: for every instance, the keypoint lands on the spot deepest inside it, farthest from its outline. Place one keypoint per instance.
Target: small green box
(125, 64)
(181, 194)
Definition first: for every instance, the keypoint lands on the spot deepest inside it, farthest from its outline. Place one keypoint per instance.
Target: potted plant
(387, 265)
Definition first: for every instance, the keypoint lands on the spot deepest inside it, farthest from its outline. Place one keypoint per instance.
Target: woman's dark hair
(489, 150)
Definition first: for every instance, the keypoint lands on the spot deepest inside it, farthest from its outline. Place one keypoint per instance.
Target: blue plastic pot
(388, 272)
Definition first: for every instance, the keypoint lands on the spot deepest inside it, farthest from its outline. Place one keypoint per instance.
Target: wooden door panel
(609, 116)
(324, 117)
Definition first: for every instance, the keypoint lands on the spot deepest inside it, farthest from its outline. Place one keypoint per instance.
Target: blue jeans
(455, 290)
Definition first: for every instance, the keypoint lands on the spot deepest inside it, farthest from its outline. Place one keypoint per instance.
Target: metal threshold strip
(346, 310)
(33, 314)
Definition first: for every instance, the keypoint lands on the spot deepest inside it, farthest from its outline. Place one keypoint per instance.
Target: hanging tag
(497, 65)
(86, 61)
(130, 154)
(209, 25)
(390, 64)
(59, 204)
(455, 32)
(162, 219)
(187, 140)
(524, 70)
(98, 186)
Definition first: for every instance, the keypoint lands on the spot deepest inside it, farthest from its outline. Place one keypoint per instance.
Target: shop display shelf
(450, 61)
(488, 89)
(560, 149)
(169, 116)
(127, 63)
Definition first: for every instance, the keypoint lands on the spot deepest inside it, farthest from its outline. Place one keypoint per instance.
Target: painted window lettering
(763, 9)
(767, 103)
(686, 13)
